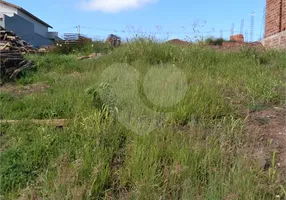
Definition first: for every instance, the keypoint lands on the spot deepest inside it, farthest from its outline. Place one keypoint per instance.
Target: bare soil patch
(269, 128)
(75, 74)
(179, 42)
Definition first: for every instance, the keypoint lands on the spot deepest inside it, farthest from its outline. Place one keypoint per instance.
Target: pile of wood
(10, 41)
(12, 49)
(91, 56)
(12, 63)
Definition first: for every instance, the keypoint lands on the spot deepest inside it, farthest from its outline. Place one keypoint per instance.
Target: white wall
(39, 28)
(7, 10)
(10, 11)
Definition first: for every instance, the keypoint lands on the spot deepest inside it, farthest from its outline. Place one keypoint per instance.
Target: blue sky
(168, 19)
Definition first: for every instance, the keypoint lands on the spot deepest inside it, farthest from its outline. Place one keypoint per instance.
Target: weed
(194, 153)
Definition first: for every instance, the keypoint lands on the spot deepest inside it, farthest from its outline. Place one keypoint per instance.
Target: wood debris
(91, 56)
(12, 49)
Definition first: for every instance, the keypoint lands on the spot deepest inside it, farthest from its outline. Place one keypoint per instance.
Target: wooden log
(5, 36)
(12, 59)
(5, 46)
(7, 55)
(49, 122)
(10, 55)
(8, 51)
(10, 70)
(3, 32)
(83, 57)
(22, 63)
(17, 71)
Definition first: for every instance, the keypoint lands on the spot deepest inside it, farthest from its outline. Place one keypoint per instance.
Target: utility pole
(252, 26)
(78, 30)
(241, 26)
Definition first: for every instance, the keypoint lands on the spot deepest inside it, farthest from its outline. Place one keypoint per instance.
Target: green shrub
(215, 41)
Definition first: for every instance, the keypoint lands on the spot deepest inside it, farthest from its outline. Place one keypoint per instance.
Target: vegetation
(199, 151)
(216, 41)
(80, 47)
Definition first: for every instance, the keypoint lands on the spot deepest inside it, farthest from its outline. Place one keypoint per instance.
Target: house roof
(26, 12)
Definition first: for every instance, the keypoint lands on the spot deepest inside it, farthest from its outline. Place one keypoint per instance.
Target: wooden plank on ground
(49, 122)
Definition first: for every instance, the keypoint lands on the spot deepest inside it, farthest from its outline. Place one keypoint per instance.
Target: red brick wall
(283, 15)
(275, 20)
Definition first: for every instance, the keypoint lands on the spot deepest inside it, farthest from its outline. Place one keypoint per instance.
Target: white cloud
(113, 6)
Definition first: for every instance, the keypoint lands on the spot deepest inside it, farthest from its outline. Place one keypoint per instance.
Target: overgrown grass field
(198, 151)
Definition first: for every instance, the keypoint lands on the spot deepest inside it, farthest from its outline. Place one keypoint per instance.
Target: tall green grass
(199, 150)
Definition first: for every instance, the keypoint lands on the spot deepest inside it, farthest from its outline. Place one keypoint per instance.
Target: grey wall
(25, 30)
(39, 40)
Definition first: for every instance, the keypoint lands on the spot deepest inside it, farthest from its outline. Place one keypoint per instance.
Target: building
(275, 21)
(275, 24)
(26, 25)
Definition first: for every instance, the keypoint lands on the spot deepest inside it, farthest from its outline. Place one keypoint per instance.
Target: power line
(150, 32)
(131, 29)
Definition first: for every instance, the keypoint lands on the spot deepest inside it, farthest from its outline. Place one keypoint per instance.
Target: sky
(163, 19)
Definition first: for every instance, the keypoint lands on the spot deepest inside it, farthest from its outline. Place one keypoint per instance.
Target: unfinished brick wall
(275, 20)
(275, 41)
